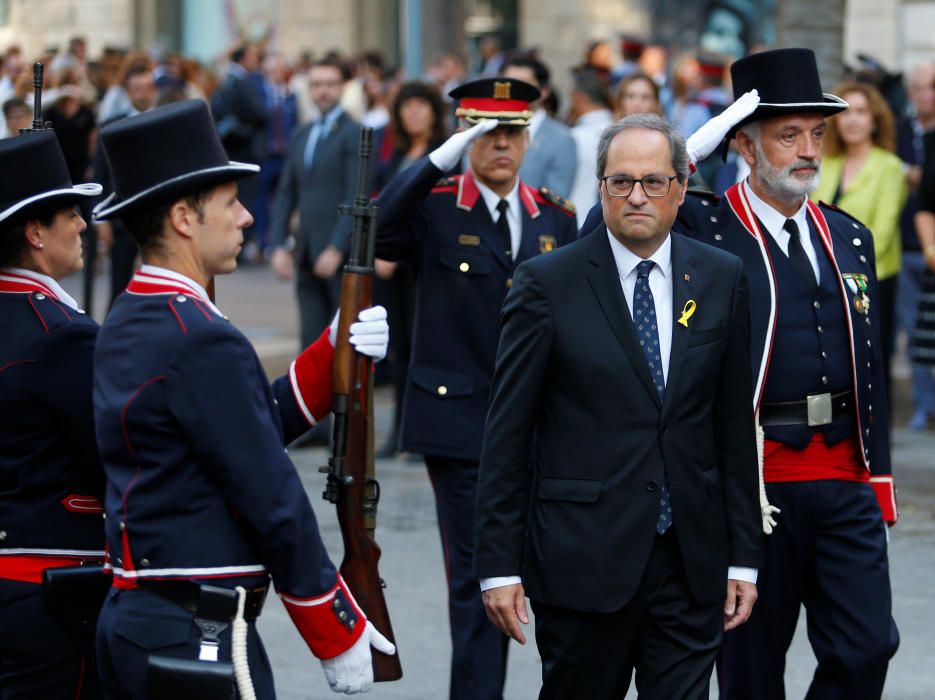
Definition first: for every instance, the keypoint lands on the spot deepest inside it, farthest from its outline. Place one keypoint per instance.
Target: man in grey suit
(551, 158)
(320, 173)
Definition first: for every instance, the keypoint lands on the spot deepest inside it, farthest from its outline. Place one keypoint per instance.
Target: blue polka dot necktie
(647, 330)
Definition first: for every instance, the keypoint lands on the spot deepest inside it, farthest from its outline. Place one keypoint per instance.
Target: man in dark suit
(320, 173)
(465, 236)
(623, 364)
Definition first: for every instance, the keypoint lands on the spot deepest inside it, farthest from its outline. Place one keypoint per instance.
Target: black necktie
(503, 226)
(797, 255)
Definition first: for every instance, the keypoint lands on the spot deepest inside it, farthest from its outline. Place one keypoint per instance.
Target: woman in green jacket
(861, 174)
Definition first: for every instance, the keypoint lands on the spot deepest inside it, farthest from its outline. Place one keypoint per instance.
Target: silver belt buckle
(819, 409)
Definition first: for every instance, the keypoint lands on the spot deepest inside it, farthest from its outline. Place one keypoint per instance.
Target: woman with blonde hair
(861, 174)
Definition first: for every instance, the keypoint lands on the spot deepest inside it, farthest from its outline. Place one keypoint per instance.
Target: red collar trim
(151, 283)
(12, 283)
(738, 201)
(467, 192)
(527, 195)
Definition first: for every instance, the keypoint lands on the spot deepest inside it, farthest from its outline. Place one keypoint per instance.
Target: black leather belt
(816, 410)
(209, 602)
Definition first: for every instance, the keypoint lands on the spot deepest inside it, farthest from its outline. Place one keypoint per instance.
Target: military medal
(857, 283)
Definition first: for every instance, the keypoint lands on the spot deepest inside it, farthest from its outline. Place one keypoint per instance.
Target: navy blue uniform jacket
(444, 230)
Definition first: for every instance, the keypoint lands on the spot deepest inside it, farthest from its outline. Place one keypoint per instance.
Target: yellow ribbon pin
(687, 312)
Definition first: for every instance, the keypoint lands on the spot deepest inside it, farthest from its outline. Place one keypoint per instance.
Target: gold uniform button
(464, 267)
(509, 283)
(442, 390)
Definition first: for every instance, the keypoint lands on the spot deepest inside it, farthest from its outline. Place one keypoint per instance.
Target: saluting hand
(741, 595)
(446, 156)
(506, 607)
(703, 142)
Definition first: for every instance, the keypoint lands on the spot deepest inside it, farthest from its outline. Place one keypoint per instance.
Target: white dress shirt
(661, 285)
(513, 216)
(773, 222)
(163, 275)
(587, 132)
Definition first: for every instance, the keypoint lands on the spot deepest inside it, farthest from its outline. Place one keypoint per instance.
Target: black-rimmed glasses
(653, 185)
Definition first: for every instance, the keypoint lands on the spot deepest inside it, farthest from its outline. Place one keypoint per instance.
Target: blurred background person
(417, 126)
(923, 349)
(682, 107)
(600, 58)
(11, 69)
(18, 115)
(552, 155)
(589, 101)
(911, 132)
(631, 49)
(636, 94)
(861, 174)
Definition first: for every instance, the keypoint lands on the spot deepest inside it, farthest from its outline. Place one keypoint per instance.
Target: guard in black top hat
(51, 479)
(204, 506)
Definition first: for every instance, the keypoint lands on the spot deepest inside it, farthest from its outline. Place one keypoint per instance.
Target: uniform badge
(547, 244)
(501, 91)
(466, 239)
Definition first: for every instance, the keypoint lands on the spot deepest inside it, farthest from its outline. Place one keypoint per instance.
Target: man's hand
(328, 262)
(741, 595)
(384, 269)
(506, 607)
(282, 264)
(446, 156)
(702, 143)
(352, 671)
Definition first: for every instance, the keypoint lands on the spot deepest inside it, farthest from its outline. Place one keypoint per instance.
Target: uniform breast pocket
(706, 336)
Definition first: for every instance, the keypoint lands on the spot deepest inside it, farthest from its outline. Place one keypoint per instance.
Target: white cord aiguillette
(239, 649)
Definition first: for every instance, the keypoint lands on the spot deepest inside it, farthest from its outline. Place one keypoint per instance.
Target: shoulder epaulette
(832, 207)
(51, 312)
(704, 195)
(446, 183)
(557, 200)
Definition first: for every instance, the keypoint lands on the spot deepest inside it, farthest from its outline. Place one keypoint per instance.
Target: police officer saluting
(51, 480)
(203, 505)
(465, 236)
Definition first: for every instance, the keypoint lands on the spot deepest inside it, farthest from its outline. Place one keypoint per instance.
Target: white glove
(370, 335)
(352, 671)
(447, 156)
(702, 143)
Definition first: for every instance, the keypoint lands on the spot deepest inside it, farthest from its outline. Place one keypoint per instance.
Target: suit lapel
(605, 282)
(682, 292)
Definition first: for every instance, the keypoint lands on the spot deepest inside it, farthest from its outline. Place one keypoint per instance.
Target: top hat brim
(170, 190)
(52, 200)
(832, 104)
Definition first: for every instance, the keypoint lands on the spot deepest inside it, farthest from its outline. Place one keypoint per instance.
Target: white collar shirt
(513, 216)
(188, 283)
(660, 284)
(48, 282)
(773, 221)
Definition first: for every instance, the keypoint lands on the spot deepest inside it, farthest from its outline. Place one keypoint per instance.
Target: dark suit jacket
(580, 523)
(332, 180)
(444, 231)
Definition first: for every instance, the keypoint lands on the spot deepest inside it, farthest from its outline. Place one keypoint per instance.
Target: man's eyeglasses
(653, 185)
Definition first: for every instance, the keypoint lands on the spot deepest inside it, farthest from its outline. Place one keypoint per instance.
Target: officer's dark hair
(134, 70)
(591, 85)
(146, 227)
(653, 122)
(417, 90)
(13, 245)
(538, 68)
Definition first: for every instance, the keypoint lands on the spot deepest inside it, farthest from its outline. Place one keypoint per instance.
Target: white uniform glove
(370, 335)
(448, 155)
(702, 143)
(352, 671)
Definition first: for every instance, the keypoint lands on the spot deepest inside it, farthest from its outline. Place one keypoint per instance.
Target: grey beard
(780, 182)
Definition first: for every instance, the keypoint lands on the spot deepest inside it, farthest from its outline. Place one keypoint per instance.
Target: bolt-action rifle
(351, 484)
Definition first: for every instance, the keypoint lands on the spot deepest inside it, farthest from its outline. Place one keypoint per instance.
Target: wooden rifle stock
(351, 483)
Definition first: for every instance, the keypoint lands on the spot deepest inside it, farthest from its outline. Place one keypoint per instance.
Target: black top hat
(34, 178)
(504, 99)
(162, 155)
(787, 81)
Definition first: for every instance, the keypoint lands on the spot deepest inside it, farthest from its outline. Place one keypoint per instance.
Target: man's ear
(182, 218)
(746, 147)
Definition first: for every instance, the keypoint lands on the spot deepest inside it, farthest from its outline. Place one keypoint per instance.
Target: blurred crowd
(872, 166)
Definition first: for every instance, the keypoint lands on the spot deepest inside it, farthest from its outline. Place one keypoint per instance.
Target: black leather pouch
(168, 677)
(75, 594)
